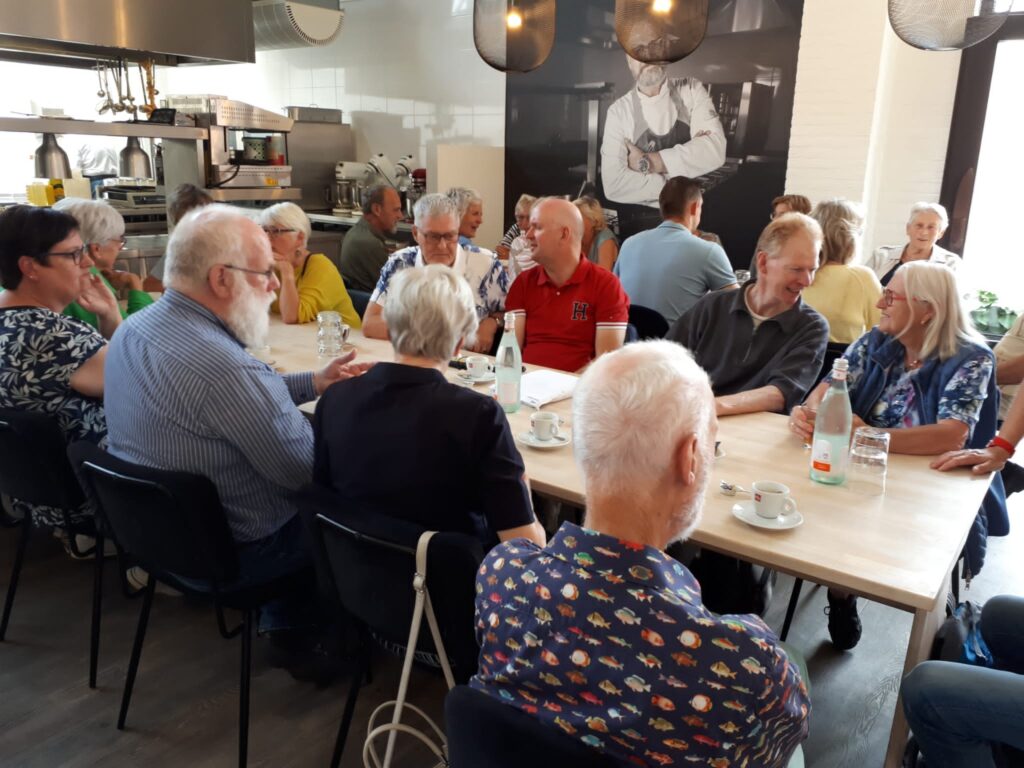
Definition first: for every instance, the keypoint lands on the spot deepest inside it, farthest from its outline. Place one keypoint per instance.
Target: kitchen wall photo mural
(722, 114)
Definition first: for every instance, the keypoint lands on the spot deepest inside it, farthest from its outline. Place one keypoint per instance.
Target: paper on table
(540, 388)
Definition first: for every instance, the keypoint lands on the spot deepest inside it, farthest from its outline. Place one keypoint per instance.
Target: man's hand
(981, 460)
(801, 422)
(339, 369)
(484, 336)
(633, 156)
(657, 165)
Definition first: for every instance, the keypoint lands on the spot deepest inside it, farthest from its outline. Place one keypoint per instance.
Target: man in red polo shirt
(568, 310)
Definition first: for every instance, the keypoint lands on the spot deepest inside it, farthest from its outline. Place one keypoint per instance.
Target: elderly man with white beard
(183, 394)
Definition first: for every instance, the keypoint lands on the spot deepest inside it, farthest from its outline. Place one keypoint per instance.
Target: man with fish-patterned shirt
(603, 635)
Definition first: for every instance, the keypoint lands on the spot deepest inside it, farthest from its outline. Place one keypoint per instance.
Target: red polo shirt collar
(578, 276)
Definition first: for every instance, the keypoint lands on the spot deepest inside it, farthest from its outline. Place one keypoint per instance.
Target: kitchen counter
(347, 222)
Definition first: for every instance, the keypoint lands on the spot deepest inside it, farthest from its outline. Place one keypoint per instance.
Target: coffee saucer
(527, 438)
(471, 379)
(744, 510)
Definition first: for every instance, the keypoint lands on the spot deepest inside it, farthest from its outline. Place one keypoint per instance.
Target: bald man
(568, 311)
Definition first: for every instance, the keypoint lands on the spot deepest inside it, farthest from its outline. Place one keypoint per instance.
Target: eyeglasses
(265, 273)
(275, 231)
(75, 255)
(119, 240)
(435, 238)
(890, 296)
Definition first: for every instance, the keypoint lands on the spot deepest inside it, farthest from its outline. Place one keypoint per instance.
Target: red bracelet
(998, 442)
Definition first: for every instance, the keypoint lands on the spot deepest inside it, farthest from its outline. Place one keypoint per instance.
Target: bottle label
(821, 457)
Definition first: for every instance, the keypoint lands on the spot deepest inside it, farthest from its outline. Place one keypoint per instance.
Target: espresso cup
(772, 499)
(477, 366)
(544, 425)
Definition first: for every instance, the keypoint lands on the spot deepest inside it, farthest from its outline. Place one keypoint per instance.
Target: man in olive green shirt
(363, 251)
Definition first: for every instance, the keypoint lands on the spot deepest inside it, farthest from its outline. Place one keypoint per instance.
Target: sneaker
(138, 579)
(843, 622)
(84, 544)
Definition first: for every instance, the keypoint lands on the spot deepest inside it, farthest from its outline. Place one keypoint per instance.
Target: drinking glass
(331, 335)
(869, 458)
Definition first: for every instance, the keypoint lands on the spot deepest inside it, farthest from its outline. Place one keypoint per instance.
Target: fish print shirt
(608, 640)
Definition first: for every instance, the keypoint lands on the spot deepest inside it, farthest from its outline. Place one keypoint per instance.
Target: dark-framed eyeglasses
(889, 296)
(435, 238)
(75, 255)
(275, 231)
(265, 273)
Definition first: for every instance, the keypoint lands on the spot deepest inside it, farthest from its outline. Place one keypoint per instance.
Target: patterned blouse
(608, 641)
(39, 352)
(898, 407)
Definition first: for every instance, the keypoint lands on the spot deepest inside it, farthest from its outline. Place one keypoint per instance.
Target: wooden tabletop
(897, 548)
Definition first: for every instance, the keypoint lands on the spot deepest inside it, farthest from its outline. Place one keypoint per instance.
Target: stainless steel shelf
(92, 128)
(233, 194)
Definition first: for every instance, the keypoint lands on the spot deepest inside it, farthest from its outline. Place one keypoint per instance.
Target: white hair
(432, 206)
(938, 210)
(464, 197)
(205, 237)
(630, 409)
(287, 216)
(429, 311)
(98, 221)
(950, 328)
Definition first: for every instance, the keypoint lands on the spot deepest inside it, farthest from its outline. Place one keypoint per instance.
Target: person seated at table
(102, 231)
(51, 363)
(925, 376)
(522, 211)
(310, 283)
(762, 345)
(599, 243)
(927, 224)
(844, 292)
(520, 252)
(436, 231)
(568, 311)
(183, 394)
(962, 714)
(457, 466)
(185, 197)
(364, 249)
(1009, 375)
(471, 214)
(604, 635)
(669, 268)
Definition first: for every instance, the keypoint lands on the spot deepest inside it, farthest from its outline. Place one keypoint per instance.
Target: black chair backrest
(649, 323)
(359, 301)
(833, 351)
(33, 461)
(372, 559)
(170, 522)
(483, 731)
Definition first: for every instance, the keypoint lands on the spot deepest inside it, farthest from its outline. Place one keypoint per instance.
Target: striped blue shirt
(182, 393)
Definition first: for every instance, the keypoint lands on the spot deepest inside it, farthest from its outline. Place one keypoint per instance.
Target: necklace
(913, 365)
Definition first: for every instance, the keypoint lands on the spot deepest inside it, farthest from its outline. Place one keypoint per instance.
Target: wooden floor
(185, 708)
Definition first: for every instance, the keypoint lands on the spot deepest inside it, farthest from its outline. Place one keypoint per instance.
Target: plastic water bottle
(830, 446)
(508, 367)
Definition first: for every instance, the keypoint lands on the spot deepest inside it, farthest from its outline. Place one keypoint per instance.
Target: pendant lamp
(947, 25)
(660, 31)
(514, 35)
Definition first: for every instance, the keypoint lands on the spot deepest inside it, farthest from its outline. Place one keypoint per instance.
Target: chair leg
(19, 558)
(133, 664)
(350, 708)
(243, 690)
(97, 598)
(791, 608)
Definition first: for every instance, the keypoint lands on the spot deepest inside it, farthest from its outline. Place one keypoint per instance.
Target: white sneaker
(84, 543)
(138, 579)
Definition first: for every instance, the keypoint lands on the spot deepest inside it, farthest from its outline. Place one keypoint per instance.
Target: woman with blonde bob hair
(599, 243)
(926, 378)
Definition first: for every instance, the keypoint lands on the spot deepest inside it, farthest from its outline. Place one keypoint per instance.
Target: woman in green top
(102, 230)
(310, 283)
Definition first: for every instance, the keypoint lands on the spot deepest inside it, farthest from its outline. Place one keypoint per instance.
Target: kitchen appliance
(318, 139)
(351, 179)
(51, 160)
(134, 162)
(141, 205)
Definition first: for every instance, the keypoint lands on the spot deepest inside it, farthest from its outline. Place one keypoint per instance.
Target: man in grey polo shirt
(669, 268)
(363, 250)
(762, 346)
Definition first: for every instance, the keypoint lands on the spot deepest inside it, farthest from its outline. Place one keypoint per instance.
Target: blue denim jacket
(883, 352)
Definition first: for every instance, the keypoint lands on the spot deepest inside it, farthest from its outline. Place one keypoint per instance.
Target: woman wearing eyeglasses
(925, 376)
(102, 231)
(310, 283)
(51, 363)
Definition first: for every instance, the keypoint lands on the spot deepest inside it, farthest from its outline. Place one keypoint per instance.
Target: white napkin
(539, 388)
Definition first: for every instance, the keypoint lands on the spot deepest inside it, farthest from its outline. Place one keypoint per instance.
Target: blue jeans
(958, 711)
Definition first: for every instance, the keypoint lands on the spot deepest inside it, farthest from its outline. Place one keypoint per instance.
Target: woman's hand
(285, 268)
(981, 460)
(121, 280)
(801, 422)
(95, 297)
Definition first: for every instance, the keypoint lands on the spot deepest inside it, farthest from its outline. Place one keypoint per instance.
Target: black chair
(833, 351)
(484, 731)
(649, 323)
(371, 561)
(359, 300)
(34, 468)
(173, 525)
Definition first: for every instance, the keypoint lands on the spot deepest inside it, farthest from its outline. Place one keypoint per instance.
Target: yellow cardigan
(321, 289)
(846, 296)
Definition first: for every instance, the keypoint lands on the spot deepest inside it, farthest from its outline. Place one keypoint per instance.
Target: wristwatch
(644, 165)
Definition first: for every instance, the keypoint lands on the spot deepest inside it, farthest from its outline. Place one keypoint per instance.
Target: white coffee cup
(772, 499)
(477, 366)
(544, 425)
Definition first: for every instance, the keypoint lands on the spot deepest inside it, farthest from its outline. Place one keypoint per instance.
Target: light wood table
(897, 549)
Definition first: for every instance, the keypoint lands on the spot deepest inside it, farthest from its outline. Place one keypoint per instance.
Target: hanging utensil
(130, 106)
(115, 71)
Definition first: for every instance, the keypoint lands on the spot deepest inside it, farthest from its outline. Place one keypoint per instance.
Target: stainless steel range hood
(77, 32)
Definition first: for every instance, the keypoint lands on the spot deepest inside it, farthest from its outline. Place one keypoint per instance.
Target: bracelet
(1006, 445)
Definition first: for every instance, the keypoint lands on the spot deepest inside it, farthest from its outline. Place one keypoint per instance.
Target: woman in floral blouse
(50, 363)
(925, 376)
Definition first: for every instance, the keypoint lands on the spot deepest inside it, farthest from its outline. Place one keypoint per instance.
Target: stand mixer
(353, 178)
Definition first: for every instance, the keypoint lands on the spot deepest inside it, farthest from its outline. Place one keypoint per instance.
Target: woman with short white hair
(927, 223)
(310, 283)
(924, 376)
(471, 212)
(102, 231)
(403, 442)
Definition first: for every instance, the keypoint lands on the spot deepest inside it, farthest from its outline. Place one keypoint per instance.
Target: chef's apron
(635, 218)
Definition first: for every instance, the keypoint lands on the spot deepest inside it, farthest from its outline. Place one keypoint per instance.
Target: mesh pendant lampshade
(660, 31)
(514, 35)
(947, 25)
